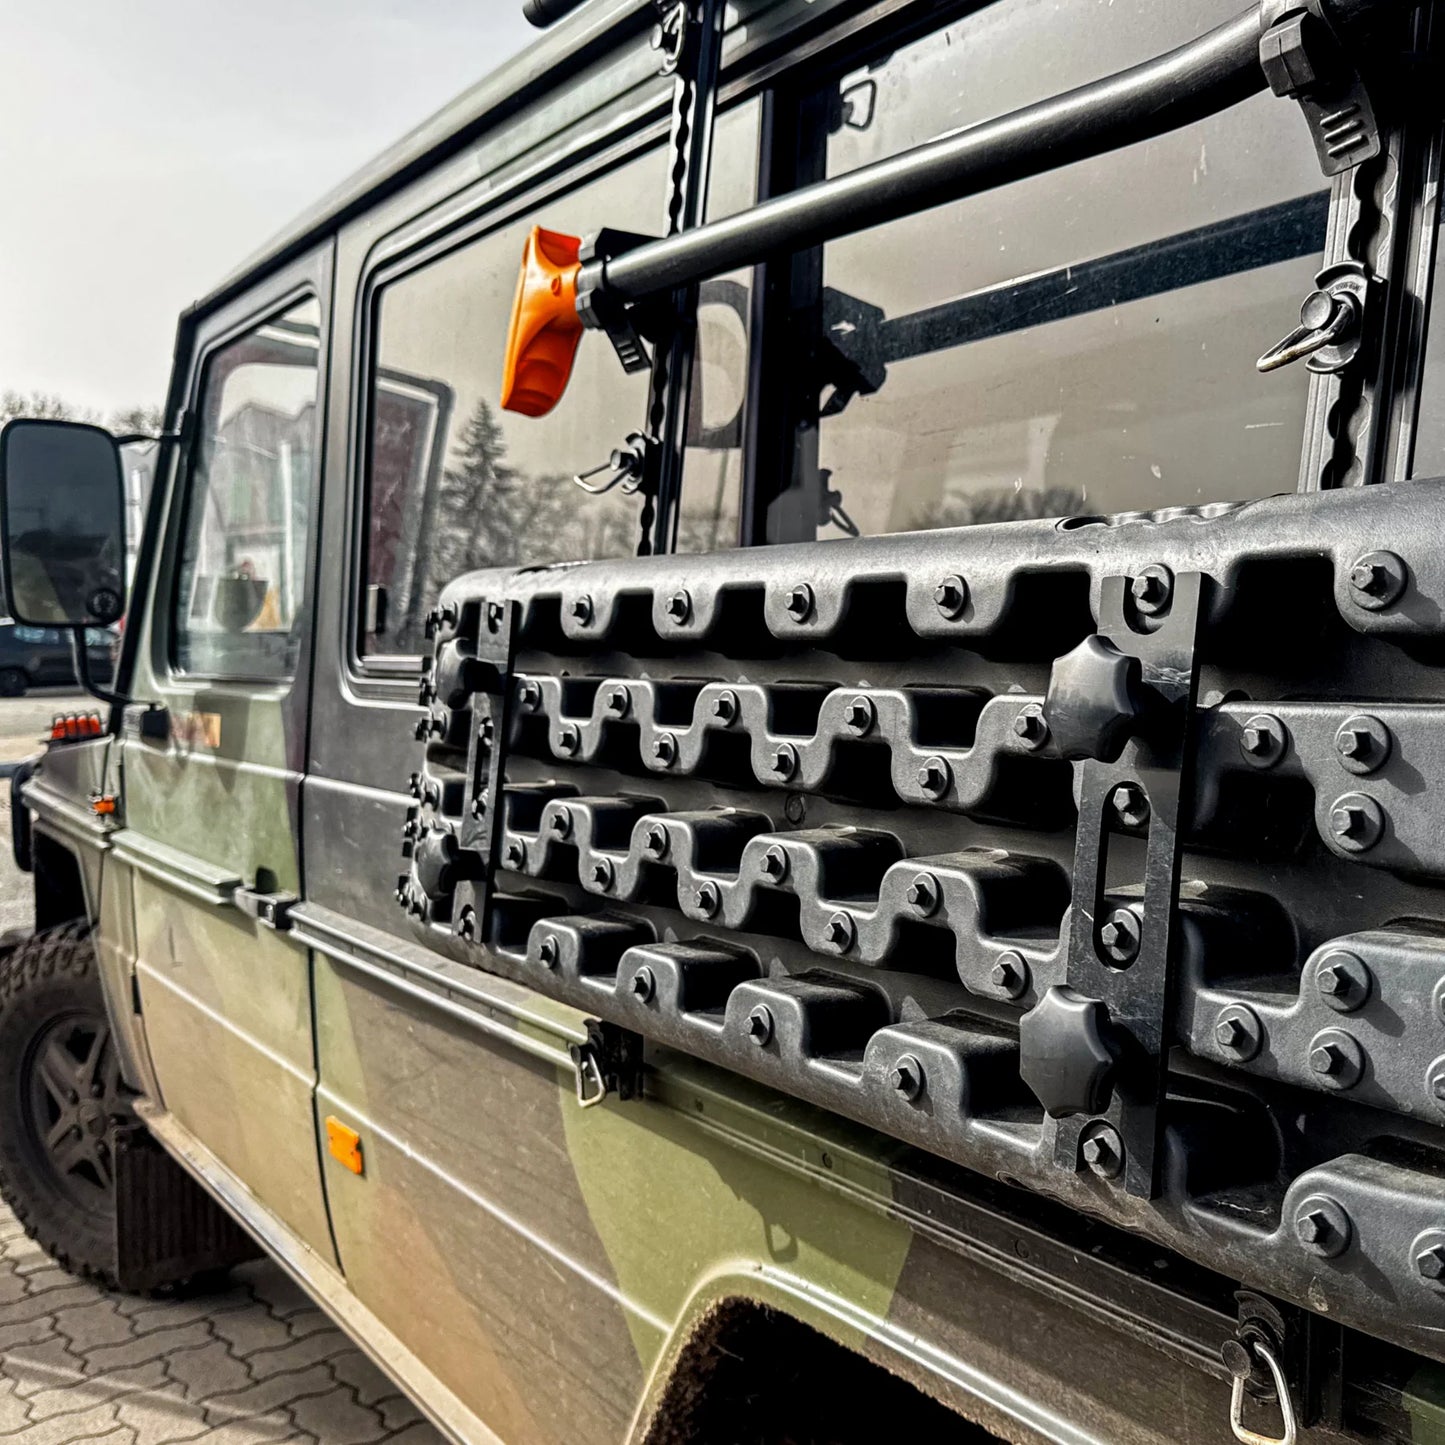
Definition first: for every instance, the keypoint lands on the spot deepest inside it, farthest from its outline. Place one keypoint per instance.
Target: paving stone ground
(256, 1362)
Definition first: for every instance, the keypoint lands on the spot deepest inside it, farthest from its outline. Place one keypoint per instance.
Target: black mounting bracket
(1304, 59)
(1094, 1048)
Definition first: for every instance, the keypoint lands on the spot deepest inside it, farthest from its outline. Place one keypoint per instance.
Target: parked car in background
(42, 657)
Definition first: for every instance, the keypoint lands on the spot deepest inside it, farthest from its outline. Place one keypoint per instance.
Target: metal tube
(1208, 75)
(543, 13)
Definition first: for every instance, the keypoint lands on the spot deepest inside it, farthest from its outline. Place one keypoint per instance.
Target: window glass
(456, 483)
(1429, 458)
(713, 465)
(242, 563)
(1082, 341)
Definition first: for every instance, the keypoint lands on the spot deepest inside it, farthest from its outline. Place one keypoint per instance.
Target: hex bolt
(515, 853)
(529, 695)
(1030, 727)
(1322, 1226)
(655, 842)
(1435, 1082)
(934, 777)
(784, 761)
(569, 739)
(466, 928)
(1376, 580)
(706, 899)
(1430, 1262)
(494, 616)
(664, 749)
(860, 715)
(602, 874)
(644, 985)
(951, 596)
(906, 1077)
(487, 731)
(774, 863)
(1262, 740)
(1356, 822)
(1363, 744)
(799, 602)
(679, 606)
(760, 1025)
(619, 701)
(1010, 974)
(1131, 805)
(1152, 589)
(1102, 1151)
(561, 822)
(582, 610)
(725, 707)
(922, 894)
(1238, 1032)
(1336, 1059)
(1120, 937)
(840, 932)
(548, 950)
(1343, 981)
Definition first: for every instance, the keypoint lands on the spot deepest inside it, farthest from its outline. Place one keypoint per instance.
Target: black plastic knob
(1093, 703)
(1065, 1053)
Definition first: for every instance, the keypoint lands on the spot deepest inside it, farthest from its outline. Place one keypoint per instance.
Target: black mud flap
(1102, 856)
(167, 1228)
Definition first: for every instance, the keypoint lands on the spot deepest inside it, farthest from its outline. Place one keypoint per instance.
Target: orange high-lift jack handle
(545, 330)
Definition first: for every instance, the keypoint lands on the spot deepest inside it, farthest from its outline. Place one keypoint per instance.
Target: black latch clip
(1304, 59)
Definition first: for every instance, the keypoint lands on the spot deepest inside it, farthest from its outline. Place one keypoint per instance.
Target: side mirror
(62, 524)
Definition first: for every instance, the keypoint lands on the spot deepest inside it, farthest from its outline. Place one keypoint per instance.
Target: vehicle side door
(212, 775)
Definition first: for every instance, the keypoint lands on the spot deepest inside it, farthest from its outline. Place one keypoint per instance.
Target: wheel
(62, 1102)
(12, 682)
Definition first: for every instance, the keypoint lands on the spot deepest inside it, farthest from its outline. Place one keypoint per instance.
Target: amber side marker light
(344, 1143)
(545, 330)
(102, 804)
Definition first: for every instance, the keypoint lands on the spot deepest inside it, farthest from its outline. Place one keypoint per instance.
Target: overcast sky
(149, 146)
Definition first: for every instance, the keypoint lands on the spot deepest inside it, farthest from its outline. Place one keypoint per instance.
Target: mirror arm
(81, 656)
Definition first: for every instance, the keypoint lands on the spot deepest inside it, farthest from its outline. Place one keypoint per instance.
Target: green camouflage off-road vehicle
(824, 819)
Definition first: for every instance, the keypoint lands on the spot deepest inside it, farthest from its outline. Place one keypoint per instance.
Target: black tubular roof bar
(1208, 75)
(543, 13)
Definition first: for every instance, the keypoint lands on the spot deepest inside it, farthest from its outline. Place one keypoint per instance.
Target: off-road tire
(62, 1102)
(12, 682)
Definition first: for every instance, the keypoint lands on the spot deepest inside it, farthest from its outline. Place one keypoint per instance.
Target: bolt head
(1229, 1033)
(1437, 1087)
(933, 777)
(561, 822)
(619, 700)
(569, 739)
(1353, 743)
(1430, 1263)
(1119, 936)
(1030, 728)
(664, 749)
(1131, 806)
(548, 951)
(783, 761)
(760, 1025)
(706, 899)
(775, 863)
(602, 873)
(906, 1077)
(1377, 579)
(725, 706)
(1095, 1152)
(1313, 1227)
(1103, 1152)
(529, 695)
(799, 602)
(840, 932)
(516, 853)
(679, 606)
(1254, 741)
(1327, 1059)
(922, 893)
(859, 715)
(1009, 975)
(582, 609)
(950, 596)
(1367, 577)
(655, 842)
(644, 985)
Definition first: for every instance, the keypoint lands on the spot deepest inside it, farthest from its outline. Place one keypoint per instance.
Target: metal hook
(589, 1073)
(627, 465)
(1286, 1407)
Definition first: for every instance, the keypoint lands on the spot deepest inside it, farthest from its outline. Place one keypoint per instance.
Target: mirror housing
(62, 524)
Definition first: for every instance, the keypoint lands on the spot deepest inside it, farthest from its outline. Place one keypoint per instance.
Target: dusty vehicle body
(1000, 949)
